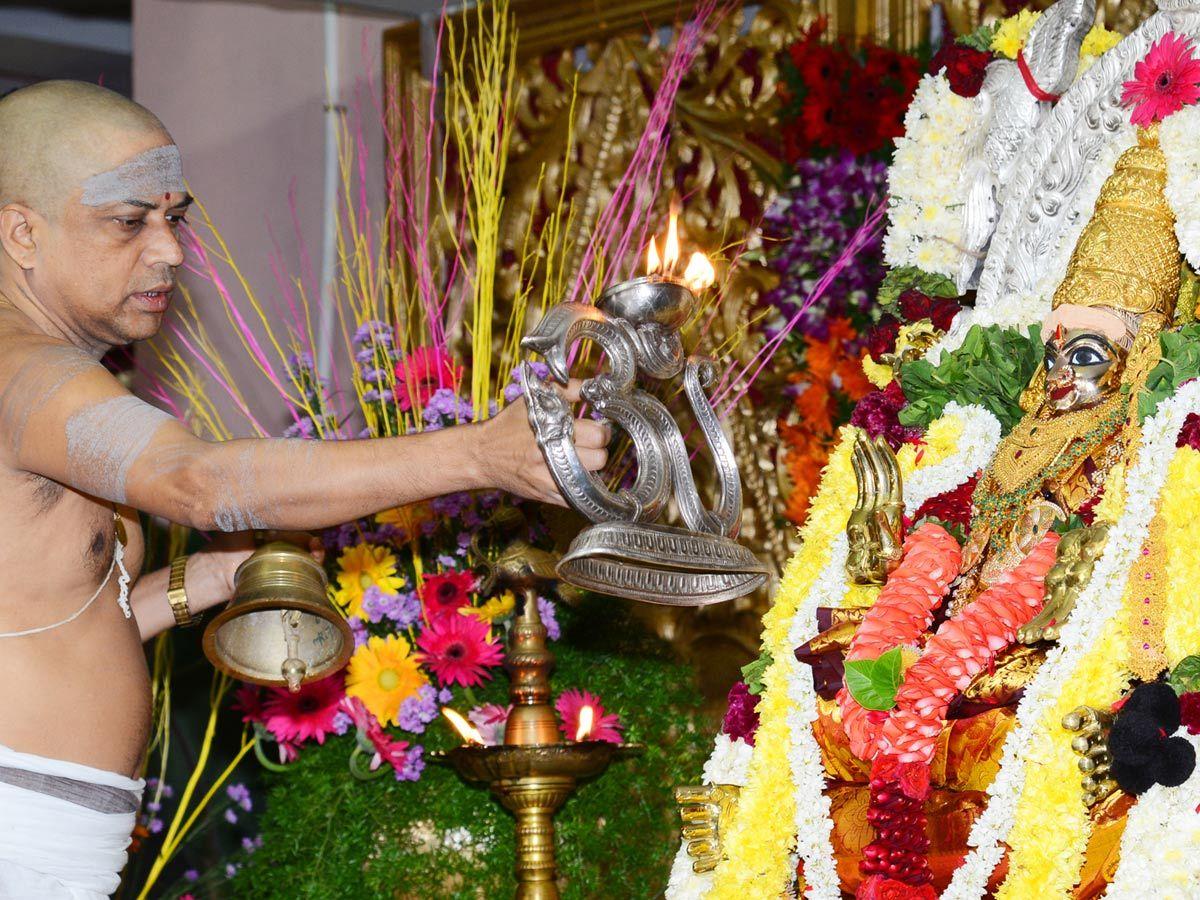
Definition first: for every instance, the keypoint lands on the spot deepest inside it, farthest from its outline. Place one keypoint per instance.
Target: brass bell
(280, 628)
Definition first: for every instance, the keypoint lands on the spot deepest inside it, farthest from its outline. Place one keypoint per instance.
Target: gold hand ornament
(1090, 727)
(703, 809)
(1076, 556)
(875, 528)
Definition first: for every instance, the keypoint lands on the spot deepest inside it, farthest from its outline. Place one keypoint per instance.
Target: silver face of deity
(1083, 368)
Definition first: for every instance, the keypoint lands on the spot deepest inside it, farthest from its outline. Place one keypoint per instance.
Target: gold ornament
(1128, 256)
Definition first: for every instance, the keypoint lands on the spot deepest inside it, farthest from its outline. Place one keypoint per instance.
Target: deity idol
(1008, 712)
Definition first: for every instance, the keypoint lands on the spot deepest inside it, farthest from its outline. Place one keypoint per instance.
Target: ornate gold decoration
(1013, 669)
(1090, 727)
(875, 529)
(1122, 16)
(1146, 606)
(1128, 256)
(1077, 554)
(704, 809)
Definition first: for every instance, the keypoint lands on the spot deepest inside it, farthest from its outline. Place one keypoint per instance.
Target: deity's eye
(1087, 356)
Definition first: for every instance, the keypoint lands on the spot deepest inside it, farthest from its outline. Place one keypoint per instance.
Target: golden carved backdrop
(720, 158)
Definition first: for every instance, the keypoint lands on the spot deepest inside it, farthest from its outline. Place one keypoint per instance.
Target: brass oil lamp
(280, 628)
(534, 771)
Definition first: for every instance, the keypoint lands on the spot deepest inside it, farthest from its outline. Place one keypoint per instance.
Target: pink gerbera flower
(1164, 82)
(459, 649)
(247, 700)
(605, 726)
(422, 373)
(491, 720)
(305, 715)
(446, 592)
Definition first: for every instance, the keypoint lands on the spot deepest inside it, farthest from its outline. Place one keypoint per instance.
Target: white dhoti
(64, 828)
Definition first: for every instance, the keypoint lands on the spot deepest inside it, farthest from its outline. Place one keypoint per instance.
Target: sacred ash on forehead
(149, 174)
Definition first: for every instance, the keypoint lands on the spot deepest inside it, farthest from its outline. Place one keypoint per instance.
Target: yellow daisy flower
(1010, 37)
(1099, 41)
(496, 608)
(408, 518)
(383, 674)
(878, 374)
(361, 567)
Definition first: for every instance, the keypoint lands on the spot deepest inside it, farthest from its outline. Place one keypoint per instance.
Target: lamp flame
(671, 248)
(653, 263)
(587, 717)
(468, 732)
(700, 273)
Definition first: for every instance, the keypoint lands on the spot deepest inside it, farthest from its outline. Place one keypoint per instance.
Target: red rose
(954, 506)
(882, 339)
(880, 887)
(1189, 711)
(915, 306)
(965, 67)
(1189, 434)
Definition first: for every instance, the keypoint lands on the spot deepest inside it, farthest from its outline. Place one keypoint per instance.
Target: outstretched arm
(74, 423)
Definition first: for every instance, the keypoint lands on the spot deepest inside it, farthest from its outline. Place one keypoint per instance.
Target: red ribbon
(1037, 92)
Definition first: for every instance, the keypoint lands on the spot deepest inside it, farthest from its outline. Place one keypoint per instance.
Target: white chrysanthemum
(1177, 136)
(938, 128)
(729, 762)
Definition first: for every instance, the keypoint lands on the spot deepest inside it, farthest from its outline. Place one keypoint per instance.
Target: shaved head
(57, 134)
(91, 196)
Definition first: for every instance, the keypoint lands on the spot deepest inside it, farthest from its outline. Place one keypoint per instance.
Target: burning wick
(699, 273)
(468, 732)
(586, 717)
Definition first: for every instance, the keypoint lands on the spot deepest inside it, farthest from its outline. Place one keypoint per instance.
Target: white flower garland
(1158, 848)
(1177, 137)
(729, 762)
(1098, 603)
(925, 220)
(976, 446)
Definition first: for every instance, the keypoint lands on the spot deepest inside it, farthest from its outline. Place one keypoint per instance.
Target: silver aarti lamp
(637, 325)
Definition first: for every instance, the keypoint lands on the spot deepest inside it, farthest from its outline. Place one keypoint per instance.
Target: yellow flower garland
(1181, 518)
(1051, 827)
(762, 829)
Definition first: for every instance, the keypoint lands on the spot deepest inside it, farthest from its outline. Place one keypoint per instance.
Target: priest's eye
(1087, 356)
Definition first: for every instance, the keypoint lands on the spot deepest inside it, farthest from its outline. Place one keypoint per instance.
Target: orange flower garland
(900, 615)
(964, 646)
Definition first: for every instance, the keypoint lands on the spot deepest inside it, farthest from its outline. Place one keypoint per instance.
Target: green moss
(329, 836)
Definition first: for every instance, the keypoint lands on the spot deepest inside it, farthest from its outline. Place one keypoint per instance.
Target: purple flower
(358, 627)
(451, 505)
(301, 428)
(230, 870)
(239, 794)
(445, 695)
(191, 875)
(549, 618)
(741, 717)
(413, 766)
(341, 722)
(418, 710)
(231, 816)
(807, 226)
(155, 826)
(877, 413)
(374, 332)
(248, 845)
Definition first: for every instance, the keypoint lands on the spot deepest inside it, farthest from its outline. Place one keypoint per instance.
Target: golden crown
(1128, 256)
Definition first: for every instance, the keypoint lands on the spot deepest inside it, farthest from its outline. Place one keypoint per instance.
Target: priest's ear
(17, 226)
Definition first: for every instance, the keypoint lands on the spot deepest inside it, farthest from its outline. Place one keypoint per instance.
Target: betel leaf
(906, 278)
(979, 39)
(874, 682)
(992, 367)
(1180, 362)
(1185, 677)
(753, 672)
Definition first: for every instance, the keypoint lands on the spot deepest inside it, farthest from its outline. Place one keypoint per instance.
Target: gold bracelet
(176, 595)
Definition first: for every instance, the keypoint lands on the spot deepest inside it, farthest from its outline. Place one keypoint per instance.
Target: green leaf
(980, 38)
(753, 672)
(904, 278)
(1180, 362)
(874, 682)
(991, 367)
(1185, 678)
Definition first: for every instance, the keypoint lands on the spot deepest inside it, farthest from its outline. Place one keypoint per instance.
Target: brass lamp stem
(533, 801)
(528, 662)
